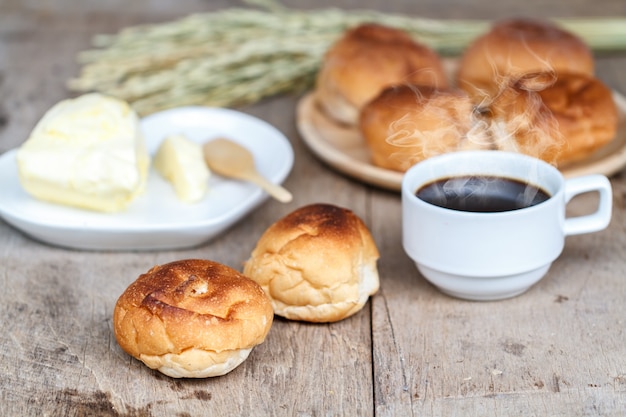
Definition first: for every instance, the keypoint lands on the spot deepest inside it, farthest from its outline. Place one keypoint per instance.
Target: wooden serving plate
(343, 148)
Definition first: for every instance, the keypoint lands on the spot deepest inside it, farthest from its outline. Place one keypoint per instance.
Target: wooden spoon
(230, 159)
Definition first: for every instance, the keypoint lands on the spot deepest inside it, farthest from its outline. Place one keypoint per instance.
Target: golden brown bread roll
(367, 59)
(560, 120)
(317, 264)
(586, 114)
(517, 120)
(406, 124)
(192, 318)
(516, 47)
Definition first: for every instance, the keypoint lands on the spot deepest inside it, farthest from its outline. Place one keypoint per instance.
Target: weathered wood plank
(59, 356)
(558, 350)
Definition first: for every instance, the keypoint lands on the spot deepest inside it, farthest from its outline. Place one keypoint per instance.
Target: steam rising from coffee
(509, 115)
(436, 124)
(511, 118)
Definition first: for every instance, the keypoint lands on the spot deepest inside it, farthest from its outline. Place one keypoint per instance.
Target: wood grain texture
(558, 350)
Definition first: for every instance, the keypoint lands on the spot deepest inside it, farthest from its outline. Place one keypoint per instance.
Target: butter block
(179, 160)
(86, 152)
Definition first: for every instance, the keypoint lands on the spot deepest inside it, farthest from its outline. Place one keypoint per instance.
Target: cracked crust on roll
(317, 264)
(192, 318)
(586, 114)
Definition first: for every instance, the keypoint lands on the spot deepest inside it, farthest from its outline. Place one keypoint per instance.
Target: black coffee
(481, 194)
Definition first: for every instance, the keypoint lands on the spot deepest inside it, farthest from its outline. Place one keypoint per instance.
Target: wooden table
(558, 350)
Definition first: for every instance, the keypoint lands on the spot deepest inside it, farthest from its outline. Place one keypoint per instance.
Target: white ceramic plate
(157, 219)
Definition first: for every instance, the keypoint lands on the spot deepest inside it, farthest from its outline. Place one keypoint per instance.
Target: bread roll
(317, 264)
(560, 120)
(192, 318)
(517, 120)
(406, 124)
(516, 47)
(585, 112)
(367, 59)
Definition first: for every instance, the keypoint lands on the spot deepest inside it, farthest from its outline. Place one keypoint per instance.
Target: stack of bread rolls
(525, 85)
(367, 59)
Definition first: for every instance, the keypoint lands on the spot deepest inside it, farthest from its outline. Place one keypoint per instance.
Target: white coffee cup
(494, 255)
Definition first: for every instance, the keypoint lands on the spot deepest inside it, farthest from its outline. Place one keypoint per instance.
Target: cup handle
(601, 217)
